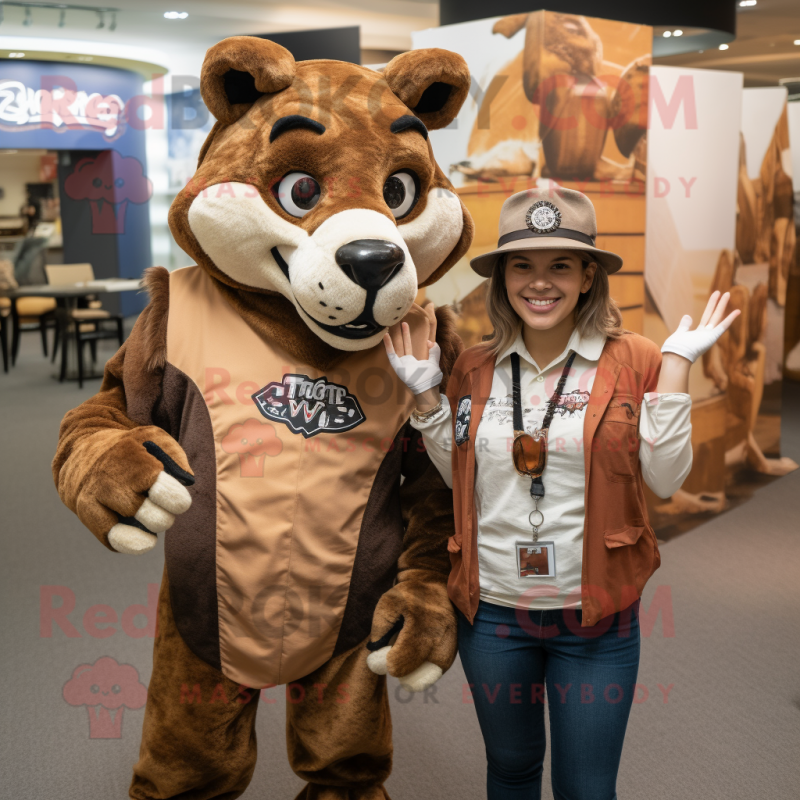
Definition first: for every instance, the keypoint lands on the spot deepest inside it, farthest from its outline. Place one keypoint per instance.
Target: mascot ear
(238, 70)
(433, 83)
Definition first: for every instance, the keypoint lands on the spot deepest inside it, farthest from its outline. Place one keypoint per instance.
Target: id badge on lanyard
(534, 559)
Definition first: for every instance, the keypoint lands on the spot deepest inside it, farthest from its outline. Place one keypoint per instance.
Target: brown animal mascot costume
(253, 414)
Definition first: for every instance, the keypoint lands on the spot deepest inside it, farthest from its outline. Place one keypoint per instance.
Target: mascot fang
(252, 420)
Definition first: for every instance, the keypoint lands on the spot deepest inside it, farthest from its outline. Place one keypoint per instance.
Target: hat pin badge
(543, 217)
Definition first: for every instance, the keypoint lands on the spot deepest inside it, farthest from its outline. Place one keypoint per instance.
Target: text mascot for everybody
(253, 414)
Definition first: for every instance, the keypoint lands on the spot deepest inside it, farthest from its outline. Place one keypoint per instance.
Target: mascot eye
(297, 193)
(400, 193)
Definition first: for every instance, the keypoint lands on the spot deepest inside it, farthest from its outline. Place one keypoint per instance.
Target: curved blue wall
(117, 250)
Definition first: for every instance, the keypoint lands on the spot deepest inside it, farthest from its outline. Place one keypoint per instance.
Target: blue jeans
(509, 657)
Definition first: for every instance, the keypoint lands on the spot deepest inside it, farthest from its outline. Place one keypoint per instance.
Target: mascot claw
(422, 677)
(377, 661)
(418, 680)
(131, 541)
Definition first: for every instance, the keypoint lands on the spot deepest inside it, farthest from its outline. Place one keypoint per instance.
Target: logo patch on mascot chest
(309, 406)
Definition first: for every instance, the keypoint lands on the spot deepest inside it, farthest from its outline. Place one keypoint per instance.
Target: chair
(5, 311)
(7, 281)
(36, 314)
(85, 323)
(31, 313)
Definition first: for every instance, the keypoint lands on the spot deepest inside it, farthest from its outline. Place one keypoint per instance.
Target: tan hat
(554, 219)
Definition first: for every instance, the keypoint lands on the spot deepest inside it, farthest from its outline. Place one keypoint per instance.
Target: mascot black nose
(371, 263)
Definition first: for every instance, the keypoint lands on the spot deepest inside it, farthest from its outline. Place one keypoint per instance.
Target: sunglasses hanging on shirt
(529, 451)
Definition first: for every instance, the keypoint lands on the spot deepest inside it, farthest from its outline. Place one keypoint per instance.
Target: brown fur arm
(426, 500)
(420, 594)
(101, 468)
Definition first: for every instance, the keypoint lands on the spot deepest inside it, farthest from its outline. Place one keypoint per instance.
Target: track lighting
(62, 9)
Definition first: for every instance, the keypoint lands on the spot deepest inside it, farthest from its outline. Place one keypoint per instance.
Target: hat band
(559, 233)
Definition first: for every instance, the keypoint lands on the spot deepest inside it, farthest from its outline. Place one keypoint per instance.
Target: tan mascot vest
(287, 442)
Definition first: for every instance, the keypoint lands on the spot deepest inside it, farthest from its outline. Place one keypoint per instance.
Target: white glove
(691, 344)
(418, 375)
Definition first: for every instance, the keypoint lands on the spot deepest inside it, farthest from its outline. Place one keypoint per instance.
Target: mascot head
(318, 182)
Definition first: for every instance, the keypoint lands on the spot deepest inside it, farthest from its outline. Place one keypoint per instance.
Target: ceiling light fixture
(176, 14)
(723, 47)
(747, 3)
(677, 33)
(62, 9)
(667, 34)
(16, 55)
(797, 41)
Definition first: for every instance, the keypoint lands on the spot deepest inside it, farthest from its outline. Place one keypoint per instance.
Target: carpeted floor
(729, 730)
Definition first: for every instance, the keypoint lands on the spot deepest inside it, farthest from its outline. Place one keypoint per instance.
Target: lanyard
(537, 485)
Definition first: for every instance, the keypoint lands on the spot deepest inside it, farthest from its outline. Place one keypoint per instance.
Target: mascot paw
(133, 491)
(377, 661)
(131, 541)
(414, 634)
(166, 497)
(421, 678)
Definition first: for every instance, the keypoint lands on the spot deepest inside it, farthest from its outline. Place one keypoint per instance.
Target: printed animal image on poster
(555, 98)
(718, 197)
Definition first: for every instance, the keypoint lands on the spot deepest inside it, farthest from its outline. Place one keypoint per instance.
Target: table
(67, 296)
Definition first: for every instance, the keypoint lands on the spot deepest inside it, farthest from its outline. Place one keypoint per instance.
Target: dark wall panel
(339, 44)
(716, 14)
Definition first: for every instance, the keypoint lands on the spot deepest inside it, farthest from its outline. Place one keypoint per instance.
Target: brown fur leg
(192, 749)
(339, 731)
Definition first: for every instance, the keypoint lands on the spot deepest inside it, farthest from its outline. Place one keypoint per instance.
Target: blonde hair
(596, 311)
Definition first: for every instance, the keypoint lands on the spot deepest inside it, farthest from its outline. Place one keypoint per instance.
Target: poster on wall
(791, 363)
(715, 161)
(555, 98)
(765, 253)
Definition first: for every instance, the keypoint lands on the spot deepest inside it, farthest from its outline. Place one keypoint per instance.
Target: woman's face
(544, 285)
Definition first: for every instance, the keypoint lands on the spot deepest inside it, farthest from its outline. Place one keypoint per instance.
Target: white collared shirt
(502, 497)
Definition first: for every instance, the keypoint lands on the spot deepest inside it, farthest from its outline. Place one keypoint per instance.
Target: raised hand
(419, 371)
(691, 344)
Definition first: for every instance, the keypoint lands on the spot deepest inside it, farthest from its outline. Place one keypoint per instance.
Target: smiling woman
(576, 295)
(560, 396)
